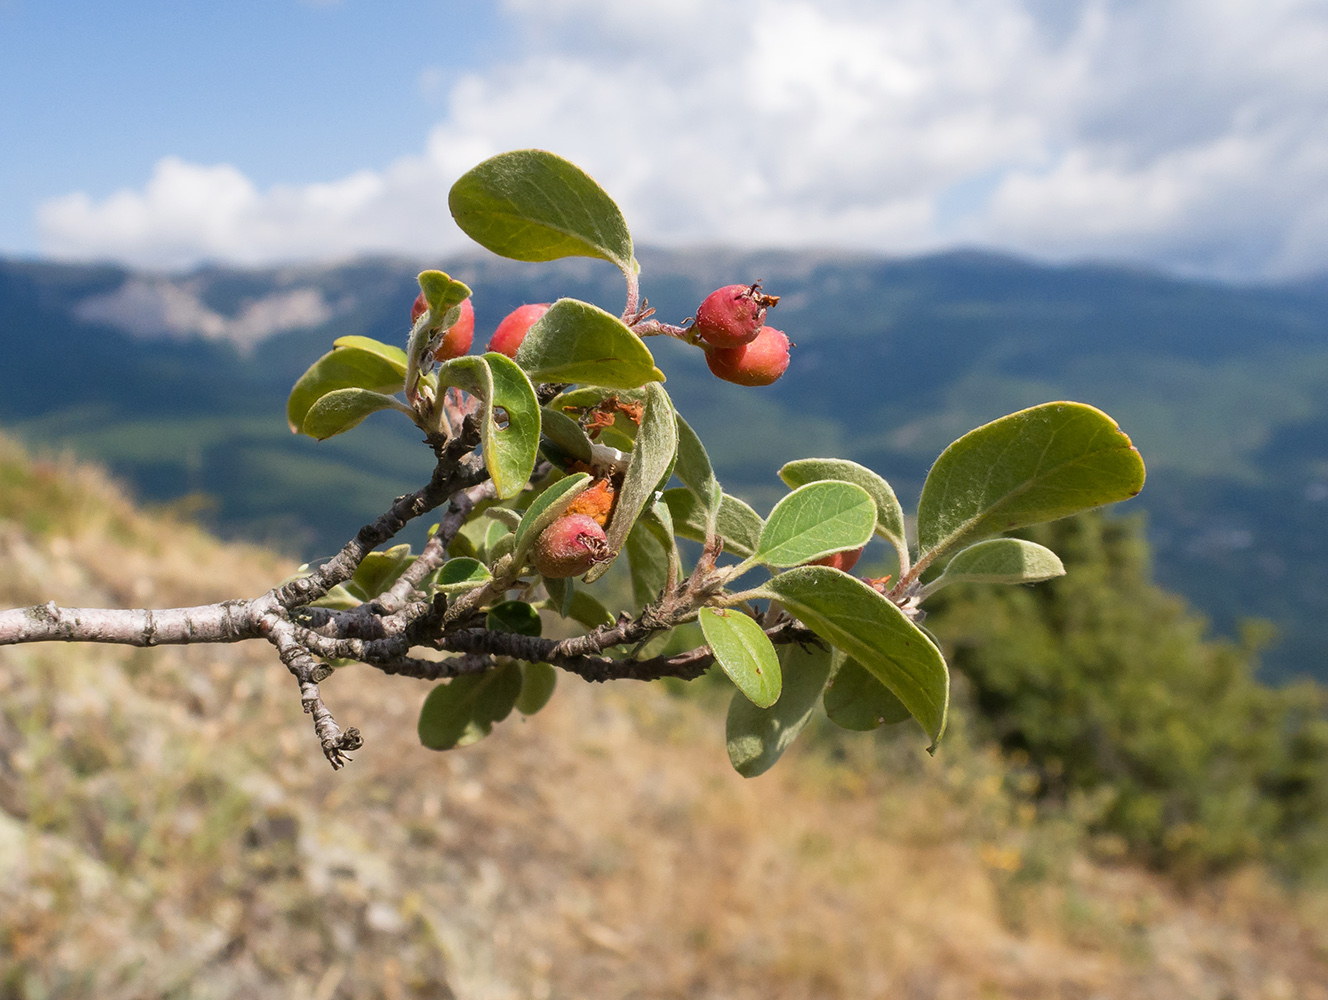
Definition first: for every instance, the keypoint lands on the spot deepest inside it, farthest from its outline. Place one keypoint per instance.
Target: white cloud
(1185, 133)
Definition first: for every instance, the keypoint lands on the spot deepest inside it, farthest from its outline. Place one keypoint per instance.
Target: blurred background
(966, 207)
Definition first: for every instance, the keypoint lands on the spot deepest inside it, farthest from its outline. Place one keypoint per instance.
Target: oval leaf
(656, 446)
(463, 710)
(744, 652)
(378, 571)
(1039, 464)
(342, 368)
(510, 451)
(567, 435)
(340, 410)
(856, 700)
(737, 524)
(853, 617)
(461, 574)
(697, 474)
(1000, 560)
(577, 342)
(648, 559)
(547, 508)
(889, 515)
(757, 737)
(532, 205)
(393, 355)
(816, 520)
(514, 616)
(536, 688)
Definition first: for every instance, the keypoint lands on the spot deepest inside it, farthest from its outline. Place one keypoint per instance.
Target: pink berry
(419, 308)
(733, 315)
(570, 546)
(839, 560)
(758, 363)
(512, 330)
(456, 341)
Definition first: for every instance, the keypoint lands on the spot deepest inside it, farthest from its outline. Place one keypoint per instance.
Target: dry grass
(169, 828)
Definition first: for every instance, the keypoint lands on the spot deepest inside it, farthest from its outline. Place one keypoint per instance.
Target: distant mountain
(177, 383)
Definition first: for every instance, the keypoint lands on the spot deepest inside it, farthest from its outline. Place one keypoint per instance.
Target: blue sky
(1186, 134)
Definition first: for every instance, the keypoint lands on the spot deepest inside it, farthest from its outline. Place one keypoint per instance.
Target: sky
(1189, 135)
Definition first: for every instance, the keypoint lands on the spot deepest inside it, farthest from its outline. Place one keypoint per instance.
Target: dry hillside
(168, 828)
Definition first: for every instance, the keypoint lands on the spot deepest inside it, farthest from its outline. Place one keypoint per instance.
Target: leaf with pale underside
(348, 367)
(744, 652)
(814, 521)
(1039, 464)
(578, 342)
(853, 617)
(757, 737)
(531, 205)
(999, 560)
(737, 524)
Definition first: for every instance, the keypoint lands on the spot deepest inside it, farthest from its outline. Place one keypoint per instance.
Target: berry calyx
(839, 560)
(512, 330)
(570, 546)
(456, 341)
(596, 502)
(733, 315)
(759, 363)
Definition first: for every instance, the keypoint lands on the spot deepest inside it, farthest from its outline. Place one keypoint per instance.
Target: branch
(229, 621)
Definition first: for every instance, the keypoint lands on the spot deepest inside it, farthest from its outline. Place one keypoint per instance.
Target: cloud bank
(1190, 135)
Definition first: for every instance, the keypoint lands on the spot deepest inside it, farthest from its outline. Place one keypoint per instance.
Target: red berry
(512, 330)
(839, 560)
(570, 546)
(758, 363)
(456, 341)
(733, 315)
(419, 308)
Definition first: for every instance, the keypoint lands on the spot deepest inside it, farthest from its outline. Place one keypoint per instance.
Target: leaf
(537, 687)
(510, 452)
(587, 610)
(737, 524)
(378, 571)
(443, 293)
(999, 560)
(744, 652)
(757, 737)
(814, 521)
(393, 355)
(693, 468)
(463, 710)
(853, 617)
(889, 515)
(514, 616)
(341, 409)
(350, 367)
(461, 574)
(578, 342)
(854, 699)
(534, 206)
(656, 445)
(508, 518)
(649, 562)
(1039, 464)
(547, 508)
(566, 434)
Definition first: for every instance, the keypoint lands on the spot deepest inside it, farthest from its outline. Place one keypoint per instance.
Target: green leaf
(566, 434)
(757, 737)
(649, 562)
(999, 560)
(853, 617)
(744, 652)
(547, 508)
(508, 518)
(350, 367)
(578, 342)
(537, 687)
(1039, 464)
(532, 205)
(443, 293)
(856, 700)
(737, 524)
(697, 474)
(889, 515)
(463, 710)
(393, 355)
(510, 452)
(341, 409)
(514, 616)
(816, 520)
(378, 571)
(587, 610)
(656, 445)
(461, 574)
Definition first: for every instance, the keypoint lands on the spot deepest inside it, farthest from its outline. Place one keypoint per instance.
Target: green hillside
(1223, 388)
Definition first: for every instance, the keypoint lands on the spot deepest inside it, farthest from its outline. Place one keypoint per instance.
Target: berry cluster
(739, 347)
